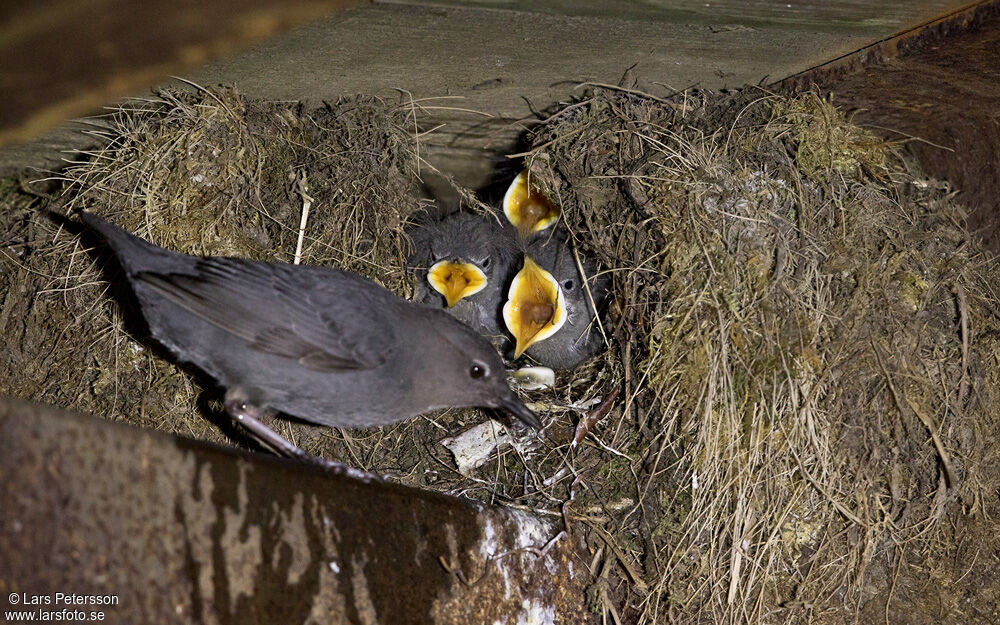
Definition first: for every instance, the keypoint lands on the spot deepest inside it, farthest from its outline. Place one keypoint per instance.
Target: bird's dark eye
(477, 371)
(568, 285)
(486, 262)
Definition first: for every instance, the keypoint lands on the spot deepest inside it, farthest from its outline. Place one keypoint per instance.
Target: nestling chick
(464, 264)
(559, 329)
(549, 310)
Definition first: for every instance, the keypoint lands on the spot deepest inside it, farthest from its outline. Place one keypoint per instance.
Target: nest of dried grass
(799, 398)
(806, 341)
(203, 172)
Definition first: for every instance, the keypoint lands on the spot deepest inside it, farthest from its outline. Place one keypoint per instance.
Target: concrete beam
(175, 530)
(496, 56)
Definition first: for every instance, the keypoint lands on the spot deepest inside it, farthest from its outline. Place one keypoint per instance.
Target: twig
(610, 542)
(548, 143)
(302, 188)
(590, 296)
(841, 508)
(910, 137)
(603, 85)
(590, 420)
(207, 92)
(900, 399)
(456, 109)
(416, 128)
(963, 314)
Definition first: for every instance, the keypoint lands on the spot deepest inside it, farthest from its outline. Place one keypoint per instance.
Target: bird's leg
(248, 415)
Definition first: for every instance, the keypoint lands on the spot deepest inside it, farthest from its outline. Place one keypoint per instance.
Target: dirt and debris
(797, 417)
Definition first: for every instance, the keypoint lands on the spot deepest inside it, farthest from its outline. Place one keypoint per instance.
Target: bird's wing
(293, 313)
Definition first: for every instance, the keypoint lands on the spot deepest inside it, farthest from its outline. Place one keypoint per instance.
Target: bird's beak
(526, 208)
(513, 405)
(535, 309)
(456, 280)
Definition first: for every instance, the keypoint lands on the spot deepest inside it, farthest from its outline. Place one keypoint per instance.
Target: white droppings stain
(530, 535)
(534, 612)
(489, 547)
(362, 598)
(532, 532)
(334, 566)
(506, 581)
(513, 541)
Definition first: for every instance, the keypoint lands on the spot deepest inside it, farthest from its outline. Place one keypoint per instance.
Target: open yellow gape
(526, 208)
(535, 309)
(456, 280)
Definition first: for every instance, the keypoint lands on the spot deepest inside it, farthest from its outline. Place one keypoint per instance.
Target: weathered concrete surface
(184, 532)
(497, 60)
(863, 19)
(940, 85)
(494, 59)
(507, 64)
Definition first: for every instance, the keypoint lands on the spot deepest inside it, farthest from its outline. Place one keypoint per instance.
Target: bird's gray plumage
(579, 338)
(481, 240)
(317, 343)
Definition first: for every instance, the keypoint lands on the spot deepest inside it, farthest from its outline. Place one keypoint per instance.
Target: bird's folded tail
(134, 253)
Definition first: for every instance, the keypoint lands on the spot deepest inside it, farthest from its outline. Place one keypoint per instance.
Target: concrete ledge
(181, 531)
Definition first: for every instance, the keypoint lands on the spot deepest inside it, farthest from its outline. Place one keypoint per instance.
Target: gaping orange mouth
(456, 280)
(535, 309)
(526, 208)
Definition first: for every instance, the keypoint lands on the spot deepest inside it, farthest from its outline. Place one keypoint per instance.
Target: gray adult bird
(320, 344)
(551, 304)
(464, 263)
